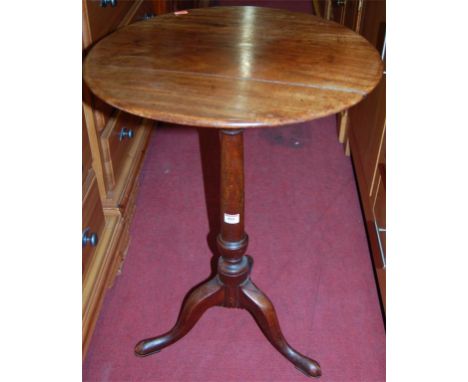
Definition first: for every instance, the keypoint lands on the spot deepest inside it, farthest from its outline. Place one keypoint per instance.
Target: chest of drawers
(114, 145)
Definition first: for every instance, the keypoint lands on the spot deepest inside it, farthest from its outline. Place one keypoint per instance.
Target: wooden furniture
(348, 13)
(362, 128)
(113, 150)
(232, 68)
(367, 131)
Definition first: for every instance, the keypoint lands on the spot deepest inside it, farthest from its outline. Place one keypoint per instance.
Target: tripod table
(232, 69)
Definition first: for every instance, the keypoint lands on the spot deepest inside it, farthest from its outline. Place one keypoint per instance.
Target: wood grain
(233, 67)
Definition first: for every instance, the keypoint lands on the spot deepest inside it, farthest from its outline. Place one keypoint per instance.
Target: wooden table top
(233, 67)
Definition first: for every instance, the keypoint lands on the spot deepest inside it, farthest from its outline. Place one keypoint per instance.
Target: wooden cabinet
(366, 133)
(348, 13)
(362, 128)
(100, 21)
(113, 146)
(116, 141)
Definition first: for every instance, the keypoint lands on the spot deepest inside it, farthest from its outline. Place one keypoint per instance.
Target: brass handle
(88, 237)
(105, 3)
(126, 133)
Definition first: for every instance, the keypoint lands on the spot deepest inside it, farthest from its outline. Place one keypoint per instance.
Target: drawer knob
(126, 133)
(148, 15)
(105, 3)
(89, 237)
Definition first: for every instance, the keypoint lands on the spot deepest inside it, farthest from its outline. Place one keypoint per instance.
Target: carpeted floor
(308, 242)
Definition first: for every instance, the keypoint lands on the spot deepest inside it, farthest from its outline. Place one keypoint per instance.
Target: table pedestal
(232, 286)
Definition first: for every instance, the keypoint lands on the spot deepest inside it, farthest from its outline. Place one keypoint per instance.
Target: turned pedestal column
(232, 286)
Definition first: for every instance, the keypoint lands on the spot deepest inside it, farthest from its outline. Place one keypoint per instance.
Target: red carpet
(308, 242)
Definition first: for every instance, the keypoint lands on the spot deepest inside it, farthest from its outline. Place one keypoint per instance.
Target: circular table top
(233, 67)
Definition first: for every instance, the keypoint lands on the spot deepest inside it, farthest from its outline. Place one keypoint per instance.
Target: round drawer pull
(126, 133)
(105, 3)
(89, 237)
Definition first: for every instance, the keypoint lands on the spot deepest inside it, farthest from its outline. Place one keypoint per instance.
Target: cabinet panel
(379, 205)
(146, 11)
(97, 277)
(336, 10)
(86, 158)
(92, 220)
(120, 198)
(104, 20)
(117, 140)
(352, 17)
(367, 123)
(373, 29)
(120, 253)
(379, 212)
(109, 194)
(102, 113)
(366, 132)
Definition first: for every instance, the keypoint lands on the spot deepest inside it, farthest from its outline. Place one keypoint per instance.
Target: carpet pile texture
(310, 252)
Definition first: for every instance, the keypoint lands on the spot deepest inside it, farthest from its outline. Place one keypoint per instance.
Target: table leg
(197, 302)
(260, 306)
(231, 287)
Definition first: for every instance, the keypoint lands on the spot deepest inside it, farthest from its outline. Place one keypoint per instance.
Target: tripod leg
(258, 304)
(205, 296)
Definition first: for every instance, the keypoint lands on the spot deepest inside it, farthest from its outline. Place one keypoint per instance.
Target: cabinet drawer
(120, 254)
(116, 141)
(104, 20)
(92, 222)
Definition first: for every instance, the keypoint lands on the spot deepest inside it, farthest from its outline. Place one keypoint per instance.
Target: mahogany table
(232, 68)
